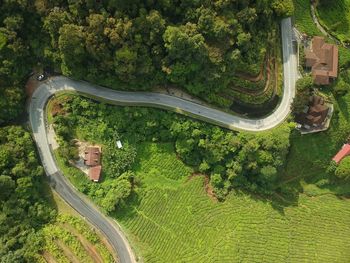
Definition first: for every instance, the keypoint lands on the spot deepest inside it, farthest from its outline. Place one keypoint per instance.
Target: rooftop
(92, 156)
(95, 173)
(344, 151)
(323, 60)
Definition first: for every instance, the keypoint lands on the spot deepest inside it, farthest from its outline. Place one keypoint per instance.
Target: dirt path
(251, 78)
(313, 8)
(258, 92)
(67, 252)
(48, 257)
(90, 248)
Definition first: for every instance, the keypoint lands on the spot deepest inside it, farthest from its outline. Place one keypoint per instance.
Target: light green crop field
(157, 164)
(174, 220)
(71, 240)
(335, 15)
(303, 19)
(185, 225)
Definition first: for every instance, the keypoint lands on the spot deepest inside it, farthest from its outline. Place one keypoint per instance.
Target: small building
(322, 58)
(315, 114)
(95, 173)
(92, 156)
(344, 151)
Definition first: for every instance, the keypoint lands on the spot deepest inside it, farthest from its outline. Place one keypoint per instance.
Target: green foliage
(116, 161)
(194, 45)
(335, 17)
(23, 206)
(3, 40)
(11, 103)
(241, 160)
(87, 232)
(303, 19)
(304, 84)
(73, 234)
(343, 170)
(115, 192)
(283, 8)
(301, 100)
(188, 230)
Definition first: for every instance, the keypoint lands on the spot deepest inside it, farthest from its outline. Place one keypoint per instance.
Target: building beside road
(92, 159)
(322, 58)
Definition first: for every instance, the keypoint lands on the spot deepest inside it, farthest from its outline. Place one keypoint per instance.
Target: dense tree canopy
(23, 207)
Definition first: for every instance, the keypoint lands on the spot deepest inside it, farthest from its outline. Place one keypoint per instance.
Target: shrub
(343, 170)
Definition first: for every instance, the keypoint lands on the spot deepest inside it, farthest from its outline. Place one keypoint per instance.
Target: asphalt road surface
(78, 201)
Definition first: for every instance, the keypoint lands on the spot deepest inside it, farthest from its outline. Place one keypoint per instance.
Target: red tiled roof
(92, 156)
(323, 59)
(95, 173)
(345, 151)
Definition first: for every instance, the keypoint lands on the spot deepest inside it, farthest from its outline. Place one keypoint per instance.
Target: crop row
(184, 225)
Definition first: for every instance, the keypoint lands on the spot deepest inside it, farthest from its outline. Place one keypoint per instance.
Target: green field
(303, 19)
(157, 166)
(184, 225)
(335, 16)
(71, 240)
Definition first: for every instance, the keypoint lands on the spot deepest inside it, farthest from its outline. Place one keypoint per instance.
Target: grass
(184, 225)
(303, 19)
(336, 18)
(157, 165)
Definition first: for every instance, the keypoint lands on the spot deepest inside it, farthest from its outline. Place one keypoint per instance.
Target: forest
(135, 45)
(23, 206)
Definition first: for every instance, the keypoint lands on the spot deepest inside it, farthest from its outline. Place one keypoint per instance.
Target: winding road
(80, 203)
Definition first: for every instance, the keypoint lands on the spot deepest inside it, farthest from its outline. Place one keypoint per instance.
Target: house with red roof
(322, 58)
(93, 160)
(344, 151)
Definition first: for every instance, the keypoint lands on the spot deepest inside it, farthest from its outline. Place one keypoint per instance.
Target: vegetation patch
(170, 218)
(72, 240)
(3, 40)
(231, 159)
(183, 224)
(335, 16)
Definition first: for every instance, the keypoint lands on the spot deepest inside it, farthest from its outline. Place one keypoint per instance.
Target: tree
(301, 100)
(11, 103)
(283, 8)
(71, 44)
(186, 53)
(23, 207)
(343, 169)
(117, 191)
(304, 84)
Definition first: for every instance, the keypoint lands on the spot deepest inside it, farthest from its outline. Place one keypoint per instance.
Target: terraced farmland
(184, 225)
(72, 240)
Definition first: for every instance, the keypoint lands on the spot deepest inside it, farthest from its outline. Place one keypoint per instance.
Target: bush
(343, 170)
